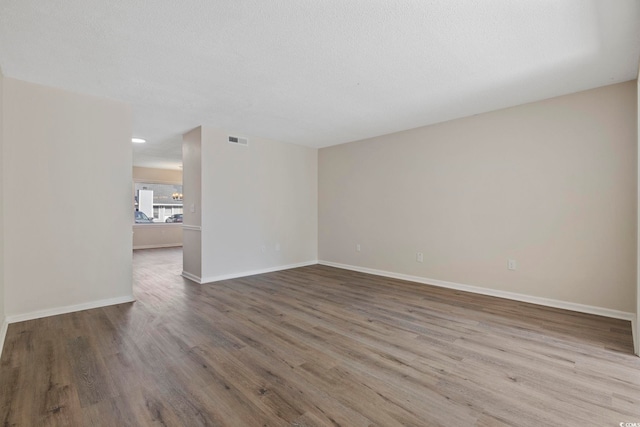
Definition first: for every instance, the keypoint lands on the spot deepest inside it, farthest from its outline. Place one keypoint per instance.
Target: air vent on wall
(238, 140)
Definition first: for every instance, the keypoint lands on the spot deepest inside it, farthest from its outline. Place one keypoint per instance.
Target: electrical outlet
(358, 247)
(420, 257)
(511, 264)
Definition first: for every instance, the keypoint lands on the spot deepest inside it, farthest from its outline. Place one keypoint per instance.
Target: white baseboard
(254, 272)
(3, 334)
(68, 309)
(589, 309)
(165, 245)
(634, 332)
(192, 277)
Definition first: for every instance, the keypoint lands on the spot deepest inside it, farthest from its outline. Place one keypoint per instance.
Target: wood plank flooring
(315, 346)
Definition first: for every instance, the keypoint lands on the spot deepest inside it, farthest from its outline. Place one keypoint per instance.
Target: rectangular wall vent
(238, 140)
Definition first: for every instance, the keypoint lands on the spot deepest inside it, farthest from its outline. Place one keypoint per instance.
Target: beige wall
(550, 184)
(160, 235)
(2, 240)
(259, 205)
(164, 176)
(156, 235)
(67, 173)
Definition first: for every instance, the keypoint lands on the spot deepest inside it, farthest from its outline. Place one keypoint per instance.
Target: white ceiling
(315, 72)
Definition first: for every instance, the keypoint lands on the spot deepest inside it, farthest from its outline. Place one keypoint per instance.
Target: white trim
(191, 227)
(192, 277)
(3, 334)
(164, 245)
(69, 309)
(151, 181)
(156, 224)
(254, 272)
(636, 325)
(634, 332)
(582, 308)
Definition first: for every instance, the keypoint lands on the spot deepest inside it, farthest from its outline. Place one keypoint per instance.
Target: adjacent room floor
(316, 346)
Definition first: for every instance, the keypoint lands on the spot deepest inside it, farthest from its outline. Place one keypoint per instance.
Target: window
(157, 203)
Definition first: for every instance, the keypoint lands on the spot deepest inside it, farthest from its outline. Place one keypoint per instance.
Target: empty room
(295, 213)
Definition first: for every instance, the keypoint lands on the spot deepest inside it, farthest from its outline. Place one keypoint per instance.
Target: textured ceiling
(316, 73)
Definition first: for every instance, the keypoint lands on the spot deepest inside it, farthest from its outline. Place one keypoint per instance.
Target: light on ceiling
(138, 140)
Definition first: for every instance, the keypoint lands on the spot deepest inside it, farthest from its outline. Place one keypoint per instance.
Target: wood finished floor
(315, 346)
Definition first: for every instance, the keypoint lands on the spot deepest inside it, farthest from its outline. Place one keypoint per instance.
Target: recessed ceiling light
(138, 140)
